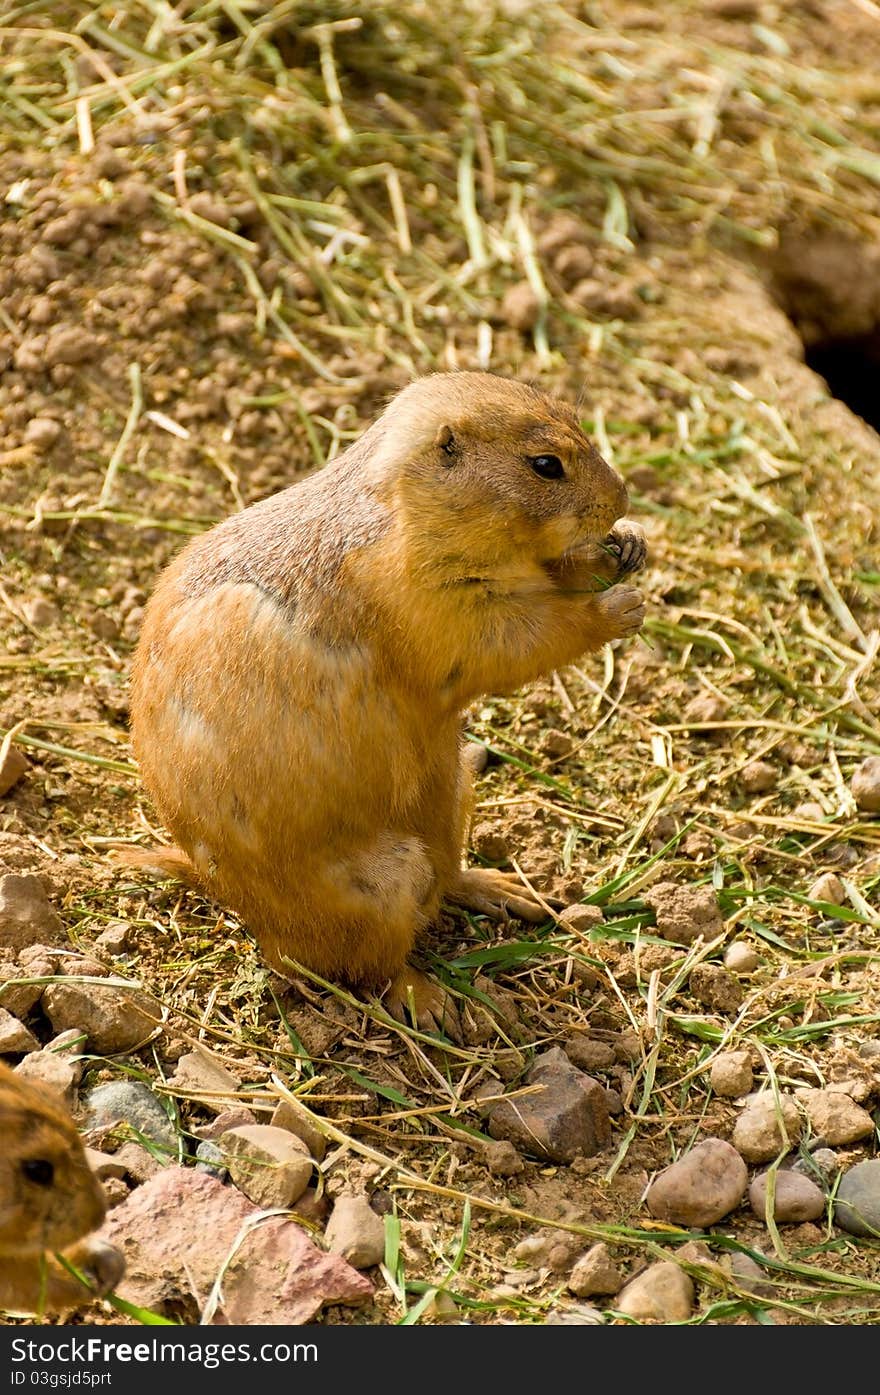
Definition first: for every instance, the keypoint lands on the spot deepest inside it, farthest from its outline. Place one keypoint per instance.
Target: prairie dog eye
(38, 1170)
(549, 467)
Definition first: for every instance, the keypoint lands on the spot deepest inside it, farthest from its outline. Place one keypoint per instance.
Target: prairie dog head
(49, 1196)
(495, 470)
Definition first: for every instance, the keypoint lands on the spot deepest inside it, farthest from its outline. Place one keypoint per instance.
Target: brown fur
(298, 686)
(64, 1203)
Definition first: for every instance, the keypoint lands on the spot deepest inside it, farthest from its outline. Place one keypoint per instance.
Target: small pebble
(740, 958)
(795, 1199)
(595, 1273)
(829, 888)
(581, 918)
(701, 1187)
(865, 785)
(14, 767)
(662, 1293)
(502, 1159)
(211, 1160)
(857, 1204)
(731, 1074)
(520, 307)
(834, 1117)
(356, 1232)
(757, 1133)
(758, 777)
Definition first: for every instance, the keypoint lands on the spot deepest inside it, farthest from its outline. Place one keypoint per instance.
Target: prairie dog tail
(161, 862)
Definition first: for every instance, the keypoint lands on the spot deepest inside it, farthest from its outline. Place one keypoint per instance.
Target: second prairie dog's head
(49, 1196)
(503, 465)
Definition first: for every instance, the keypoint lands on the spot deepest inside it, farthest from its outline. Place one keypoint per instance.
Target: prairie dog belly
(252, 731)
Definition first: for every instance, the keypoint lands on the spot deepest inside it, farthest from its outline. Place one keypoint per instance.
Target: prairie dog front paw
(628, 543)
(624, 609)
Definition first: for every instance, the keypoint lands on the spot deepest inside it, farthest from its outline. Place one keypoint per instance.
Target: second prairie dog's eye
(549, 467)
(39, 1170)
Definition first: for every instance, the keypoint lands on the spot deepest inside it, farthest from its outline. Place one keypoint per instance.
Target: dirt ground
(225, 239)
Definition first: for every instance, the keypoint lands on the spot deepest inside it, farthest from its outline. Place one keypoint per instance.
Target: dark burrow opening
(851, 368)
(827, 281)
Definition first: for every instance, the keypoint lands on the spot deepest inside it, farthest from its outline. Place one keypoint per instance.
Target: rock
(857, 1204)
(202, 1076)
(685, 912)
(69, 344)
(828, 888)
(664, 957)
(271, 1166)
(502, 1159)
(41, 960)
(749, 1276)
(313, 1208)
(758, 777)
(104, 1165)
(716, 988)
(865, 785)
(39, 612)
(116, 939)
(114, 1018)
(520, 307)
(822, 1166)
(568, 1116)
(42, 433)
(442, 1308)
(627, 1046)
(130, 1102)
(731, 1075)
(294, 1118)
(69, 1043)
(580, 918)
(15, 1039)
(548, 1249)
(20, 997)
(236, 1117)
(701, 1187)
(26, 917)
(740, 958)
(661, 1293)
(757, 1133)
(14, 767)
(578, 1315)
(181, 1229)
(77, 965)
(712, 1271)
(211, 1159)
(834, 1117)
(139, 1163)
(58, 1073)
(490, 844)
(115, 1190)
(796, 1198)
(356, 1232)
(706, 709)
(595, 1272)
(588, 1054)
(556, 744)
(210, 206)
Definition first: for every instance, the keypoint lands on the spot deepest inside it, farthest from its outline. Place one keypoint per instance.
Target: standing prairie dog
(49, 1198)
(299, 682)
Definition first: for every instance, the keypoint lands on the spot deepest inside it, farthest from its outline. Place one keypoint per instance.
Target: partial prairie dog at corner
(49, 1198)
(300, 678)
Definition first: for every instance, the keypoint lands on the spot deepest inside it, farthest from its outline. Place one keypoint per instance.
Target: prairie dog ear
(445, 441)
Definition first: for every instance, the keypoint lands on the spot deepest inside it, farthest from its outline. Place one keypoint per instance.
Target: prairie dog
(300, 677)
(49, 1198)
